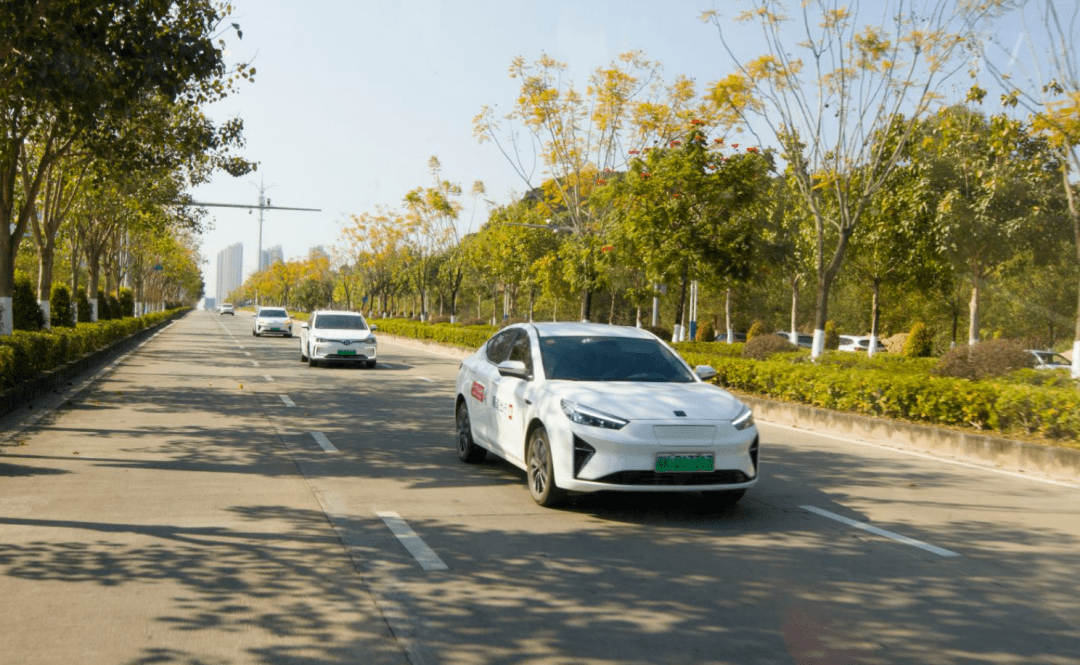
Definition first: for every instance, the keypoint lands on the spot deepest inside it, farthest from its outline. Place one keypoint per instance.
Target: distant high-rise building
(270, 257)
(317, 252)
(230, 271)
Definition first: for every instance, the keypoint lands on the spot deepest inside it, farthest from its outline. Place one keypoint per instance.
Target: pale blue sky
(352, 97)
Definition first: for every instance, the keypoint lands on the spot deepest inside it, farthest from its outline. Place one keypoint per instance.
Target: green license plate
(346, 352)
(668, 463)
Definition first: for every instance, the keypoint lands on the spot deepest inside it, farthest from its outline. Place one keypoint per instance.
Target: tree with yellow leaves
(826, 98)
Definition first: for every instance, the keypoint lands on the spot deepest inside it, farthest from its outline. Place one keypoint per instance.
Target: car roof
(336, 311)
(573, 329)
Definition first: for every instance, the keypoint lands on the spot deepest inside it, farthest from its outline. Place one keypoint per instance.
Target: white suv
(273, 320)
(338, 337)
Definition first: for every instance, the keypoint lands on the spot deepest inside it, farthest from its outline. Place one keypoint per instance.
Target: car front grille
(726, 477)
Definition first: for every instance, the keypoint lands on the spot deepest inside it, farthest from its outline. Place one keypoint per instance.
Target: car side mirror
(304, 325)
(704, 372)
(514, 368)
(374, 328)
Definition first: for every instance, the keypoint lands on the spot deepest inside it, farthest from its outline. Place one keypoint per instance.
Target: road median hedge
(1026, 403)
(25, 355)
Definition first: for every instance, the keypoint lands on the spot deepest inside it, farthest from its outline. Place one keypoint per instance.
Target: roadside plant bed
(25, 355)
(445, 333)
(904, 389)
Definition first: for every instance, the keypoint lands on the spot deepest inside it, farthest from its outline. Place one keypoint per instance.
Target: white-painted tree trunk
(819, 343)
(7, 318)
(93, 310)
(1076, 360)
(46, 311)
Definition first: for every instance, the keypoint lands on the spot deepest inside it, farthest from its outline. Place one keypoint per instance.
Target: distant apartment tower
(230, 271)
(270, 257)
(318, 251)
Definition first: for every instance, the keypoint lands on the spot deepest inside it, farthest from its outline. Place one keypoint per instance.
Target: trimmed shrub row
(25, 354)
(907, 391)
(445, 333)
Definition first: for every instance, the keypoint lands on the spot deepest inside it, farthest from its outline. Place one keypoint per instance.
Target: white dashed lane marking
(268, 377)
(881, 532)
(324, 442)
(424, 555)
(286, 400)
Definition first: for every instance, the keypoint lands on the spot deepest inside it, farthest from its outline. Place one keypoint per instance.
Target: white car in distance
(272, 320)
(589, 407)
(338, 337)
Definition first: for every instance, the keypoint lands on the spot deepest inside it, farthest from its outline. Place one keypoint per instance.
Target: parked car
(1050, 360)
(338, 337)
(226, 308)
(272, 320)
(805, 341)
(738, 337)
(587, 407)
(860, 343)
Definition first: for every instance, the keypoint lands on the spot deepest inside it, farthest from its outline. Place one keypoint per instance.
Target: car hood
(650, 401)
(342, 334)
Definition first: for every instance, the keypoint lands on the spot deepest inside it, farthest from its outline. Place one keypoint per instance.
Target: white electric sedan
(271, 320)
(588, 407)
(338, 337)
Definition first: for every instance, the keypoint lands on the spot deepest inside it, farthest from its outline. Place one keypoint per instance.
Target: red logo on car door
(478, 391)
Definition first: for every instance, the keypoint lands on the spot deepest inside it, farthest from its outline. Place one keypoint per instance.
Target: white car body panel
(504, 409)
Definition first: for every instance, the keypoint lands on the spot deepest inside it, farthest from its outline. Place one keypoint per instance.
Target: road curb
(982, 449)
(26, 392)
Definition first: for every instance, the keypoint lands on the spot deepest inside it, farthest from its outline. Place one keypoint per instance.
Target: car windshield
(277, 313)
(341, 322)
(1053, 358)
(611, 359)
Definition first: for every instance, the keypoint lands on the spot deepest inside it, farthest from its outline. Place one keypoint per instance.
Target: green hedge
(26, 354)
(903, 388)
(1027, 402)
(470, 337)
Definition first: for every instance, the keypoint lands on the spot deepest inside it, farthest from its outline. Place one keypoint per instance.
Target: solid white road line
(288, 402)
(324, 442)
(424, 555)
(935, 458)
(881, 532)
(268, 377)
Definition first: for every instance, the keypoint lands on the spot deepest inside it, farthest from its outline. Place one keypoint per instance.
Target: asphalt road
(211, 499)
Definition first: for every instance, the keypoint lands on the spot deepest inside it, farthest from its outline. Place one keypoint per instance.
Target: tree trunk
(973, 311)
(727, 317)
(793, 336)
(586, 305)
(681, 304)
(875, 315)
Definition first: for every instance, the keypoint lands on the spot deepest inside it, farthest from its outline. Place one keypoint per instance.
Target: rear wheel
(541, 474)
(467, 449)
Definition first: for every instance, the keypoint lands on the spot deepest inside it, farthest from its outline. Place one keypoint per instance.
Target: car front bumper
(274, 329)
(591, 459)
(344, 353)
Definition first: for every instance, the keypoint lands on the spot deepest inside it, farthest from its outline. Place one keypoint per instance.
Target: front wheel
(370, 364)
(303, 356)
(541, 472)
(467, 450)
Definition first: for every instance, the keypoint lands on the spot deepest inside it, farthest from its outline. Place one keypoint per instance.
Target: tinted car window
(276, 313)
(522, 350)
(610, 359)
(340, 322)
(499, 345)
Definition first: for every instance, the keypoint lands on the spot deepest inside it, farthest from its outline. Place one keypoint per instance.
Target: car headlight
(744, 420)
(583, 415)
